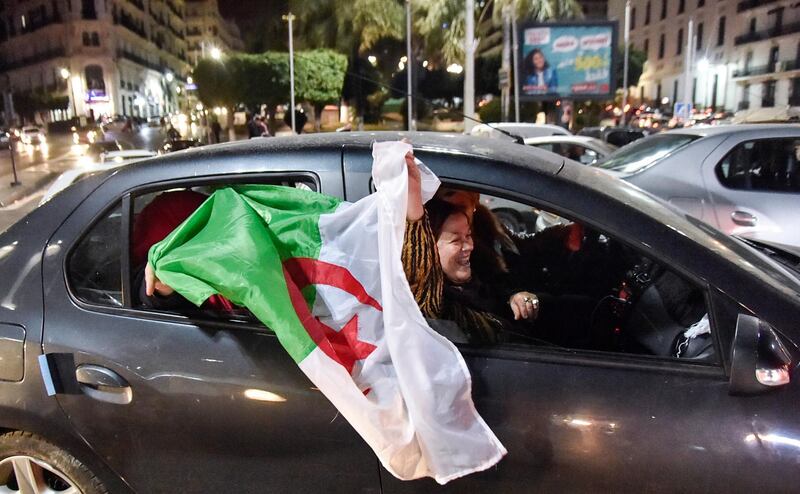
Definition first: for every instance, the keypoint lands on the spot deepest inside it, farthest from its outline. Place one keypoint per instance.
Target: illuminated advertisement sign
(567, 61)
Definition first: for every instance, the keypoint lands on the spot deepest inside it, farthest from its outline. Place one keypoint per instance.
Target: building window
(694, 89)
(752, 25)
(679, 47)
(681, 6)
(773, 59)
(86, 40)
(95, 39)
(88, 10)
(633, 18)
(663, 9)
(744, 104)
(647, 14)
(794, 98)
(94, 80)
(675, 90)
(699, 37)
(700, 3)
(721, 31)
(658, 93)
(768, 94)
(661, 43)
(646, 49)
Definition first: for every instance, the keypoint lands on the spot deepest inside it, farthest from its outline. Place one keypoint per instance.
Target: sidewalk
(31, 180)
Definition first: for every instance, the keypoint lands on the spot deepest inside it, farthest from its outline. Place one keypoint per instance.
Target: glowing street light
(373, 60)
(455, 68)
(64, 73)
(216, 53)
(170, 77)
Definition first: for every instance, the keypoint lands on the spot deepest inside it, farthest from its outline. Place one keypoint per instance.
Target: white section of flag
(418, 415)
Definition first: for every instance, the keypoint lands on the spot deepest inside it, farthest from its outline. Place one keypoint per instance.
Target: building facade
(745, 54)
(207, 30)
(110, 57)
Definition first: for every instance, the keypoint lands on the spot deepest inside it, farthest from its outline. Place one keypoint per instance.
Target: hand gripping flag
(326, 276)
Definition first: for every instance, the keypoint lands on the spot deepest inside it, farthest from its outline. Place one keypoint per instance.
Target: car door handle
(103, 384)
(743, 218)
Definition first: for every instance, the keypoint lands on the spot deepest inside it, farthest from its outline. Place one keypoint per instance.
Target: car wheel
(29, 464)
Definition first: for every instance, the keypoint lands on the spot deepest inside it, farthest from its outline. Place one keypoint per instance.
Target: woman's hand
(154, 285)
(525, 305)
(415, 207)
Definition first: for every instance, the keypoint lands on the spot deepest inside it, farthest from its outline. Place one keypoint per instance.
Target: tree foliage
(319, 76)
(636, 60)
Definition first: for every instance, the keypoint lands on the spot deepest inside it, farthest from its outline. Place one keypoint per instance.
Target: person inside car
(437, 260)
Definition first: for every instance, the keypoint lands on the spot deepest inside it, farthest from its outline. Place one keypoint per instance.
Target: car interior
(620, 300)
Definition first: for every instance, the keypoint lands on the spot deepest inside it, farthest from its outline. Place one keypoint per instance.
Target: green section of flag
(234, 245)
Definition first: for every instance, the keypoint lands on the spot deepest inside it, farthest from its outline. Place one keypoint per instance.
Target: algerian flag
(326, 276)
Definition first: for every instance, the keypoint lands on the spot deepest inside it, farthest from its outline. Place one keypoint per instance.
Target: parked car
(170, 145)
(585, 150)
(616, 136)
(520, 129)
(33, 135)
(5, 138)
(742, 179)
(103, 393)
(88, 134)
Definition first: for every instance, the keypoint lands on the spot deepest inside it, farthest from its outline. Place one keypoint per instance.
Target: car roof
(130, 153)
(714, 130)
(560, 138)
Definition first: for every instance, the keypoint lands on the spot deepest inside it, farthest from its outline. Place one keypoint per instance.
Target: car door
(600, 421)
(177, 403)
(754, 185)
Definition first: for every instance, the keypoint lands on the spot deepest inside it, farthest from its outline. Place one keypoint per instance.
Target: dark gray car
(742, 179)
(98, 392)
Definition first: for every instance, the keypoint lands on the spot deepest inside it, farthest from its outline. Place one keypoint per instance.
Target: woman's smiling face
(455, 247)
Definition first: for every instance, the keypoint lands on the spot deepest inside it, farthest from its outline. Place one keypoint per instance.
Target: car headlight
(91, 135)
(76, 138)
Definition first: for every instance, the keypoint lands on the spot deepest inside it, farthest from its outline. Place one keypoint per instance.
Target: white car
(32, 135)
(126, 155)
(518, 128)
(585, 150)
(110, 160)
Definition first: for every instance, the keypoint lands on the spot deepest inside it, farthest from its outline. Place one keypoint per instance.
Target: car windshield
(645, 152)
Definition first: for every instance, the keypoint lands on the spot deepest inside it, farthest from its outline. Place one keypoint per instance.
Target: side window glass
(762, 165)
(94, 265)
(155, 215)
(591, 291)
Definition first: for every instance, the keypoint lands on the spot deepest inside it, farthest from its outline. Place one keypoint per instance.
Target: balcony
(32, 60)
(751, 4)
(140, 60)
(767, 33)
(784, 66)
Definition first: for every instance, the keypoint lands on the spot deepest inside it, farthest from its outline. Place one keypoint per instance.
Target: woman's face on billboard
(538, 61)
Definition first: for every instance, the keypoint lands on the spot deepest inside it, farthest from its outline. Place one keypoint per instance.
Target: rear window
(645, 152)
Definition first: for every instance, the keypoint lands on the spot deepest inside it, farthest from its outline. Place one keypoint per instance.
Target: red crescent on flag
(341, 346)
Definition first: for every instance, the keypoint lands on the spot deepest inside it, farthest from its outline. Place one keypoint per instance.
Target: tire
(38, 462)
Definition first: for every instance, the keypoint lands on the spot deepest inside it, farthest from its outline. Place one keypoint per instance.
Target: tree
(636, 60)
(319, 78)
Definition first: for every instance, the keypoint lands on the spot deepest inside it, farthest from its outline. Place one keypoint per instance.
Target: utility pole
(627, 38)
(469, 66)
(505, 69)
(290, 18)
(409, 65)
(687, 83)
(515, 54)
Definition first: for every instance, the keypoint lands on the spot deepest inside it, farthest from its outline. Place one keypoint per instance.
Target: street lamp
(216, 53)
(290, 18)
(66, 76)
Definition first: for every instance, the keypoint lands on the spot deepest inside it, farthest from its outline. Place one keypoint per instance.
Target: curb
(21, 191)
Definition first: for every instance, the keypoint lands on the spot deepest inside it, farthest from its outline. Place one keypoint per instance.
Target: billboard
(567, 61)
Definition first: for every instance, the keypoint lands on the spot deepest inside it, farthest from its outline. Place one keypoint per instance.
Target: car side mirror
(759, 360)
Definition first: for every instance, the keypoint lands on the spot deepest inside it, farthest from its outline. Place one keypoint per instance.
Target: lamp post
(469, 66)
(290, 17)
(626, 38)
(410, 59)
(66, 76)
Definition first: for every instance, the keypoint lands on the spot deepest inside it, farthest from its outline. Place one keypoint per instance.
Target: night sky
(259, 21)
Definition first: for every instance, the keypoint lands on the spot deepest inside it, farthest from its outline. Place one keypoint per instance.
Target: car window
(94, 265)
(645, 152)
(622, 137)
(154, 215)
(763, 164)
(594, 293)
